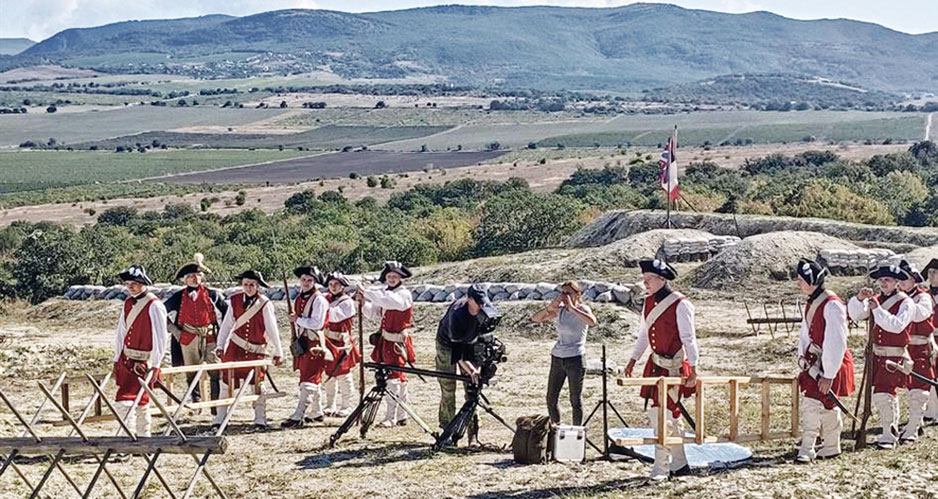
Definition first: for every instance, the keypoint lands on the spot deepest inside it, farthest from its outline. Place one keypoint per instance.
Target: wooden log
(701, 431)
(125, 445)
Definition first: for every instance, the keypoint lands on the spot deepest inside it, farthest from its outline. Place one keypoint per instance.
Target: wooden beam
(714, 380)
(775, 380)
(124, 445)
(218, 366)
(795, 408)
(766, 399)
(734, 410)
(701, 432)
(663, 413)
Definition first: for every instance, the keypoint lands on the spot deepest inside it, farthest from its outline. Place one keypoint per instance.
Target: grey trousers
(561, 369)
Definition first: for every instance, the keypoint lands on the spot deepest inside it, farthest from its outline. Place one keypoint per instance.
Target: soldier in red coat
(310, 313)
(891, 313)
(668, 327)
(393, 307)
(825, 361)
(248, 327)
(140, 344)
(931, 275)
(345, 352)
(921, 349)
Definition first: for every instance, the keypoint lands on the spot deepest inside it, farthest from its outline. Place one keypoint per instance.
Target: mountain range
(11, 46)
(629, 48)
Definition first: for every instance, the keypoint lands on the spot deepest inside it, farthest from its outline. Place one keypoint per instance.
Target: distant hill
(772, 90)
(628, 48)
(11, 46)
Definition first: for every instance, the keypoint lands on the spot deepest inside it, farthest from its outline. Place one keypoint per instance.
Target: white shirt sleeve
(225, 329)
(804, 338)
(119, 335)
(858, 310)
(159, 335)
(687, 331)
(641, 343)
(922, 307)
(271, 331)
(894, 323)
(342, 310)
(317, 316)
(835, 338)
(396, 299)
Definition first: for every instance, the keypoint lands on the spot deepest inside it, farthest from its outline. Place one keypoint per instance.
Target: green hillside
(10, 46)
(628, 48)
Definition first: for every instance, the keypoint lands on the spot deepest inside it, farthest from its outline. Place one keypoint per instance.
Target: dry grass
(397, 463)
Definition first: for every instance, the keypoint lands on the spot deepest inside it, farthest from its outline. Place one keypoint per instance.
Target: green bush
(522, 220)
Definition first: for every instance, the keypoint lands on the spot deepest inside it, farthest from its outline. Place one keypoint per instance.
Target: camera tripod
(455, 430)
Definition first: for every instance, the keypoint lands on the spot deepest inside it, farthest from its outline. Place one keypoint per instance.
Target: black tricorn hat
(932, 265)
(811, 271)
(396, 267)
(254, 275)
(136, 273)
(192, 267)
(335, 275)
(893, 271)
(310, 270)
(914, 274)
(659, 267)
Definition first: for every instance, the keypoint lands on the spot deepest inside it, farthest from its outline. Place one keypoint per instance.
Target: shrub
(522, 220)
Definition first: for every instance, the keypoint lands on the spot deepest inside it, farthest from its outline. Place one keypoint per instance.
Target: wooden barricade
(789, 321)
(733, 383)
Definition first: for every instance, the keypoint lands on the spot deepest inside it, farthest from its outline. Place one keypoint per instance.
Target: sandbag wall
(695, 249)
(855, 261)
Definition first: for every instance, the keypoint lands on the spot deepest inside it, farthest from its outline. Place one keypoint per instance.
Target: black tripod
(368, 407)
(466, 417)
(606, 404)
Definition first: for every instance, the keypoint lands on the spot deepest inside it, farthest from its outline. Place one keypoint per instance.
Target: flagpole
(672, 145)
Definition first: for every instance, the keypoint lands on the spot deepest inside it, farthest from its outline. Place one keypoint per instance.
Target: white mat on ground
(717, 455)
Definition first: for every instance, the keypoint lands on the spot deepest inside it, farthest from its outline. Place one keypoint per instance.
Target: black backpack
(530, 442)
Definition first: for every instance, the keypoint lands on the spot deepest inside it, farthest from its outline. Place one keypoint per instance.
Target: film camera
(488, 351)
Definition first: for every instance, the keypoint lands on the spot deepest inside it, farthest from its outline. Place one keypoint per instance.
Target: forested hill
(634, 47)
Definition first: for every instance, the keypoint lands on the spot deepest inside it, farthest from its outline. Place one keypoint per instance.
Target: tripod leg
(593, 413)
(410, 412)
(457, 427)
(363, 407)
(485, 406)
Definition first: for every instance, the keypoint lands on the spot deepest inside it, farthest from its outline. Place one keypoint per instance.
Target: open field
(56, 335)
(524, 163)
(363, 163)
(98, 125)
(693, 129)
(30, 170)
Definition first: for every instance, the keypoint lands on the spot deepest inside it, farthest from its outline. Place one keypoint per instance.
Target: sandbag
(530, 442)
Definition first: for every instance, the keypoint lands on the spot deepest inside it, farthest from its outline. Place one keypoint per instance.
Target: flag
(668, 165)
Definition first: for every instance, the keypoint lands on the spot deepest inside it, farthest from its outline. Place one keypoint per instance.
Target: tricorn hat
(254, 275)
(310, 270)
(887, 270)
(811, 271)
(136, 273)
(335, 275)
(192, 267)
(396, 267)
(910, 269)
(932, 265)
(658, 267)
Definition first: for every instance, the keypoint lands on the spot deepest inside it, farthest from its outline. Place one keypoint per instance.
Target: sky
(40, 19)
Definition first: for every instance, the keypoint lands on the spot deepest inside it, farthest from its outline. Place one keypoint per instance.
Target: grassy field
(30, 170)
(693, 129)
(98, 125)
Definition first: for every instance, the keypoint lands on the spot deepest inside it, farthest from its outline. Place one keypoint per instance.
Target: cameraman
(456, 336)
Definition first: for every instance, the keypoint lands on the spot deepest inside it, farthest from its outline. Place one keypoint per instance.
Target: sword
(833, 398)
(686, 415)
(898, 367)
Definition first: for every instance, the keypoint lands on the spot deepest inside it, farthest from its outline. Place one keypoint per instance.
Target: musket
(867, 394)
(908, 371)
(361, 346)
(286, 290)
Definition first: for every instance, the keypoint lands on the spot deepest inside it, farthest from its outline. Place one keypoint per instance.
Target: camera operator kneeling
(466, 320)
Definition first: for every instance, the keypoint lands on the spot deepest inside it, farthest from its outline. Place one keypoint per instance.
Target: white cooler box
(569, 443)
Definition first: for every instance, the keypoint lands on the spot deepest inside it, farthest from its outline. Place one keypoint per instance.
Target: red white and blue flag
(668, 163)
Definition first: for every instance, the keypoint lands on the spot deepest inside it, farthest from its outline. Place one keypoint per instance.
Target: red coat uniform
(885, 380)
(921, 348)
(345, 354)
(665, 341)
(197, 313)
(136, 351)
(251, 334)
(312, 363)
(844, 383)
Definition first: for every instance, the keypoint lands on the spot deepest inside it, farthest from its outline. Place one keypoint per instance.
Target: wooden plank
(766, 399)
(701, 431)
(775, 380)
(734, 410)
(126, 445)
(714, 380)
(795, 407)
(198, 405)
(218, 366)
(774, 320)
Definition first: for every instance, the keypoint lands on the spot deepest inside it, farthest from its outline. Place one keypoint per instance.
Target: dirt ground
(542, 177)
(42, 340)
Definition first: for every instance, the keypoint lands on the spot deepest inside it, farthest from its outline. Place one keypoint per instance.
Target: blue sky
(39, 19)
